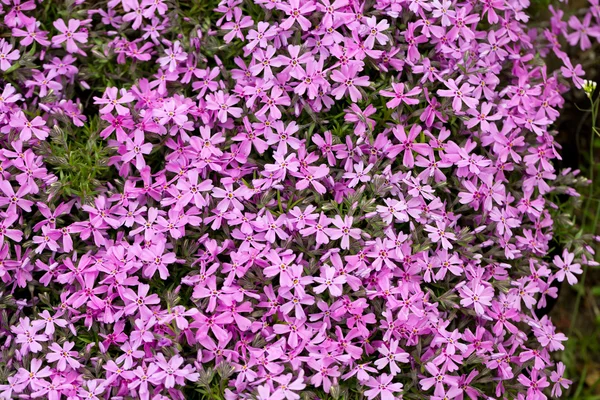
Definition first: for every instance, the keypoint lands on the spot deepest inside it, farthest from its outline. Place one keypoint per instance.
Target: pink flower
(567, 268)
(311, 175)
(348, 82)
(399, 96)
(49, 321)
(37, 126)
(383, 387)
(28, 338)
(439, 234)
(287, 388)
(361, 174)
(459, 95)
(14, 200)
(112, 102)
(222, 103)
(173, 56)
(295, 11)
(63, 355)
(374, 30)
(583, 31)
(573, 73)
(171, 371)
(45, 82)
(31, 33)
(34, 376)
(319, 229)
(192, 188)
(139, 301)
(328, 281)
(6, 55)
(478, 296)
(534, 384)
(136, 148)
(235, 27)
(343, 230)
(391, 355)
(557, 378)
(70, 35)
(135, 13)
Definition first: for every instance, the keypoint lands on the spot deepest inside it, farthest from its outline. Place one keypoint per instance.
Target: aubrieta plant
(285, 199)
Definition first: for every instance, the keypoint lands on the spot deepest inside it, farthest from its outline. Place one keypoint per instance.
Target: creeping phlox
(296, 197)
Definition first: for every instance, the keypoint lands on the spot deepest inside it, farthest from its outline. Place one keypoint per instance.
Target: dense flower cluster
(358, 199)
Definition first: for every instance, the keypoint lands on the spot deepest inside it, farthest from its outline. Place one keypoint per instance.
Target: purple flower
(458, 94)
(7, 54)
(566, 267)
(348, 82)
(383, 387)
(70, 35)
(63, 356)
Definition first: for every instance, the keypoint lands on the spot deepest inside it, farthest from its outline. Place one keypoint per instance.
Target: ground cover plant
(287, 199)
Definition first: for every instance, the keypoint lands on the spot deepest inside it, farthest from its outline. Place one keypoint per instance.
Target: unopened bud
(589, 87)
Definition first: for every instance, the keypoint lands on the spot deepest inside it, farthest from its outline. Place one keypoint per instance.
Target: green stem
(580, 293)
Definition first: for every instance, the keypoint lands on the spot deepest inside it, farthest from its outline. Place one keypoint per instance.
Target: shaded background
(577, 309)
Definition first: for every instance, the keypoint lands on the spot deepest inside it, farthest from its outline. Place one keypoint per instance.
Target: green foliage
(578, 312)
(79, 157)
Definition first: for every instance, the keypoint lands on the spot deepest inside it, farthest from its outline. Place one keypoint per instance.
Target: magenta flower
(300, 214)
(139, 301)
(573, 73)
(319, 229)
(343, 229)
(34, 376)
(311, 175)
(296, 11)
(324, 372)
(286, 387)
(173, 56)
(398, 95)
(265, 59)
(157, 259)
(5, 224)
(439, 234)
(383, 387)
(171, 373)
(559, 380)
(70, 35)
(391, 355)
(136, 148)
(192, 188)
(360, 174)
(348, 82)
(582, 31)
(328, 281)
(566, 267)
(331, 13)
(48, 321)
(112, 102)
(44, 82)
(374, 31)
(408, 144)
(479, 296)
(63, 356)
(14, 200)
(459, 95)
(438, 378)
(534, 384)
(28, 337)
(235, 27)
(31, 34)
(222, 103)
(7, 54)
